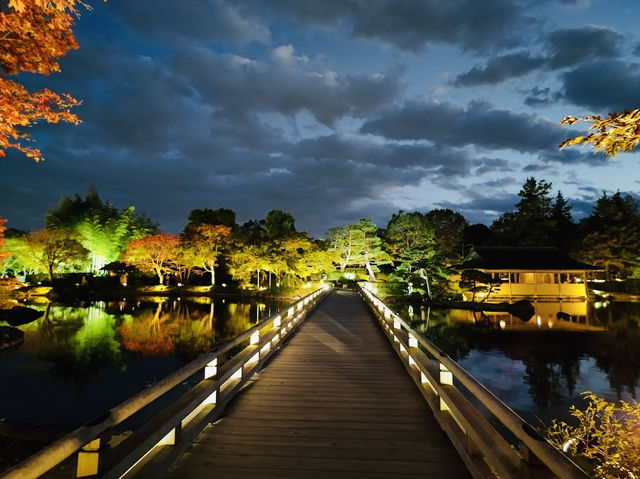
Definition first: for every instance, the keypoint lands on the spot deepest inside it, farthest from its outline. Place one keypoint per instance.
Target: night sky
(332, 110)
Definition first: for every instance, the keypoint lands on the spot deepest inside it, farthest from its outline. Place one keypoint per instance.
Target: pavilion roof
(507, 258)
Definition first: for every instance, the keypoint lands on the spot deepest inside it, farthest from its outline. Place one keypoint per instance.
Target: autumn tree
(614, 133)
(3, 254)
(205, 243)
(34, 34)
(55, 250)
(155, 254)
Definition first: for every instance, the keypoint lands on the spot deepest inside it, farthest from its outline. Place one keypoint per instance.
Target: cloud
(571, 46)
(479, 124)
(407, 24)
(499, 69)
(604, 85)
(563, 48)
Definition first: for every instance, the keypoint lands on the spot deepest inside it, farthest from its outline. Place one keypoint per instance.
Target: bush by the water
(606, 439)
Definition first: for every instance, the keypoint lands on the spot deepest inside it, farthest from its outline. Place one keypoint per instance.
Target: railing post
(89, 455)
(446, 378)
(211, 369)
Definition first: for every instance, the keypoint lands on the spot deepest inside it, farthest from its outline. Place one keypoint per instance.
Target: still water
(79, 360)
(541, 366)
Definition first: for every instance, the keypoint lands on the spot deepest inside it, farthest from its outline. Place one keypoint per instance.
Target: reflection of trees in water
(78, 340)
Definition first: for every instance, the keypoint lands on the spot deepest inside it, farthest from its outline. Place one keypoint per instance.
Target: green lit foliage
(3, 254)
(612, 235)
(247, 259)
(408, 231)
(476, 282)
(605, 440)
(103, 229)
(358, 245)
(617, 132)
(54, 251)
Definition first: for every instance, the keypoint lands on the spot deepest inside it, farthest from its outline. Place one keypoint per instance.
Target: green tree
(612, 235)
(279, 224)
(565, 234)
(207, 216)
(476, 281)
(55, 250)
(408, 231)
(359, 245)
(531, 223)
(448, 227)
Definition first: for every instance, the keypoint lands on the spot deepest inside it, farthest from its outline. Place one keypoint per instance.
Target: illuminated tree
(617, 132)
(476, 281)
(205, 243)
(246, 259)
(103, 230)
(55, 250)
(155, 254)
(358, 244)
(3, 254)
(407, 231)
(34, 34)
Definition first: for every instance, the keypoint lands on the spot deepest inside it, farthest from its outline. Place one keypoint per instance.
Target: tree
(205, 243)
(279, 224)
(245, 259)
(448, 227)
(407, 231)
(3, 254)
(358, 245)
(154, 254)
(34, 34)
(612, 235)
(565, 232)
(617, 132)
(531, 223)
(55, 250)
(207, 216)
(476, 281)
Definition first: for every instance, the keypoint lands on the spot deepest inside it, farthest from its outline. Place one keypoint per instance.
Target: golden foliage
(607, 437)
(617, 132)
(34, 34)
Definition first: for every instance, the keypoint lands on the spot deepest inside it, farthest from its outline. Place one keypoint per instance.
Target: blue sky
(332, 110)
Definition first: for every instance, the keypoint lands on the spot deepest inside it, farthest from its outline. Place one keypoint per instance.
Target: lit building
(542, 274)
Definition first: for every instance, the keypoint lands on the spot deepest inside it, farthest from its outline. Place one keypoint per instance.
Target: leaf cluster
(612, 134)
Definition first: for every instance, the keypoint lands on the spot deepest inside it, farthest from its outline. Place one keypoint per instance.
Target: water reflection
(77, 360)
(541, 366)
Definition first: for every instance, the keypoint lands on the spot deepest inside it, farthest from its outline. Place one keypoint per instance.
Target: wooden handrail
(409, 350)
(280, 323)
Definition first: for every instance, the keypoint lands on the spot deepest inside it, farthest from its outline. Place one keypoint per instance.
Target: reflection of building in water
(543, 274)
(558, 315)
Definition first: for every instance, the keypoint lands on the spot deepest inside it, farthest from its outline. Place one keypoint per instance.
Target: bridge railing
(154, 444)
(484, 450)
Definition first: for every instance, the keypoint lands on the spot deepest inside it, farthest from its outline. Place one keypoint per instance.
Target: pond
(540, 367)
(79, 360)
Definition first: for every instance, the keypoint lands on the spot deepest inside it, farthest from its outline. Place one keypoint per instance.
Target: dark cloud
(484, 208)
(571, 46)
(408, 24)
(539, 97)
(499, 69)
(479, 124)
(564, 48)
(603, 86)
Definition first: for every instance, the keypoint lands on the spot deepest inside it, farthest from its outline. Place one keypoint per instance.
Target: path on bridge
(334, 402)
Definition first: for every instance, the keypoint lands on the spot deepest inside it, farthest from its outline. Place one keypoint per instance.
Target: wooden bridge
(335, 402)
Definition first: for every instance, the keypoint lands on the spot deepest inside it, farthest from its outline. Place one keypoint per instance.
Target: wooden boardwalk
(334, 402)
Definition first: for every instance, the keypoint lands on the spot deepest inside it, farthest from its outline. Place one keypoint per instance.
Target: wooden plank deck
(334, 402)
